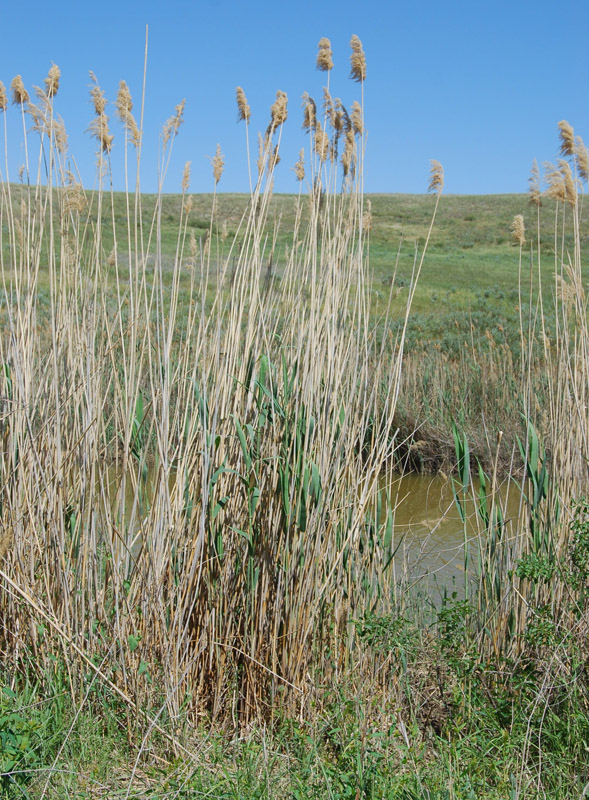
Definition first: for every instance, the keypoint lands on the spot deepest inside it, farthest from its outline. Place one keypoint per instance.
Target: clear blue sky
(480, 86)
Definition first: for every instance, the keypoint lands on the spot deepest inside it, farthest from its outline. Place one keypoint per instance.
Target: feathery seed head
(243, 109)
(273, 160)
(356, 118)
(19, 93)
(324, 56)
(299, 167)
(186, 177)
(3, 97)
(173, 124)
(321, 142)
(367, 218)
(518, 230)
(348, 156)
(262, 149)
(310, 112)
(582, 159)
(567, 138)
(278, 111)
(357, 60)
(534, 181)
(124, 106)
(436, 181)
(555, 186)
(52, 81)
(218, 162)
(569, 184)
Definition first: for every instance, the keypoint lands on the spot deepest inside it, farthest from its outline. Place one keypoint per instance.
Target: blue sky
(479, 86)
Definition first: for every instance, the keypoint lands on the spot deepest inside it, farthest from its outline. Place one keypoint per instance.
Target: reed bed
(192, 451)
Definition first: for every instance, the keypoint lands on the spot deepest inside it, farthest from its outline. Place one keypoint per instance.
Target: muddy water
(430, 533)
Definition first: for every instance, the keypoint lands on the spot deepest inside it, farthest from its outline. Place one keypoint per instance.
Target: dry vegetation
(192, 508)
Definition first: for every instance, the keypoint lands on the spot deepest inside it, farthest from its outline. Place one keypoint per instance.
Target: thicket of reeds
(192, 453)
(193, 514)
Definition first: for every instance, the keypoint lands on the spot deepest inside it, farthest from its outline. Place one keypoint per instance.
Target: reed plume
(299, 167)
(218, 162)
(124, 107)
(357, 60)
(321, 142)
(52, 81)
(436, 181)
(309, 113)
(186, 176)
(582, 158)
(19, 92)
(569, 183)
(518, 230)
(534, 183)
(243, 109)
(324, 56)
(567, 138)
(278, 111)
(555, 186)
(172, 125)
(356, 118)
(3, 97)
(99, 126)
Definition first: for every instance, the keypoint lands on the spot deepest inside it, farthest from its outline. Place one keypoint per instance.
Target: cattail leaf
(219, 506)
(243, 442)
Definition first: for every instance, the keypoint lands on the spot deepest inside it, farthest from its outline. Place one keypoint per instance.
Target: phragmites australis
(436, 180)
(273, 160)
(243, 109)
(567, 138)
(299, 167)
(20, 96)
(321, 142)
(324, 56)
(99, 125)
(569, 183)
(582, 159)
(348, 156)
(356, 118)
(518, 230)
(3, 97)
(367, 217)
(186, 177)
(534, 182)
(218, 162)
(52, 81)
(278, 111)
(309, 113)
(555, 187)
(357, 60)
(124, 106)
(172, 126)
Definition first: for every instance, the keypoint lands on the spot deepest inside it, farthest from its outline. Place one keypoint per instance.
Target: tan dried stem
(20, 96)
(324, 56)
(243, 109)
(357, 60)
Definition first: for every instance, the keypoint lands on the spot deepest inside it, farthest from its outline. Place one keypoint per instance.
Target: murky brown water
(430, 531)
